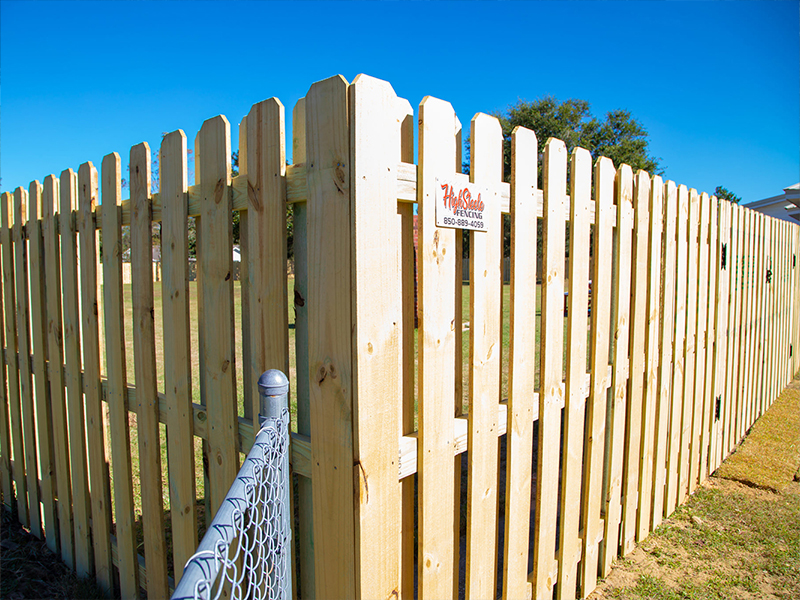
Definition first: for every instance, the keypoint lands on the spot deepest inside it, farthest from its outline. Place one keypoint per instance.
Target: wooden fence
(612, 415)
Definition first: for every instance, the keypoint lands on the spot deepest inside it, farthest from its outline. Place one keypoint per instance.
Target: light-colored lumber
(116, 390)
(44, 427)
(51, 199)
(458, 366)
(570, 544)
(550, 373)
(701, 345)
(72, 374)
(5, 420)
(266, 244)
(679, 360)
(719, 401)
(637, 354)
(12, 360)
(215, 293)
(735, 370)
(484, 364)
(405, 213)
(710, 394)
(304, 538)
(728, 381)
(144, 355)
(95, 425)
(650, 404)
(436, 258)
(177, 348)
(24, 347)
(377, 314)
(610, 296)
(669, 215)
(690, 347)
(330, 326)
(521, 362)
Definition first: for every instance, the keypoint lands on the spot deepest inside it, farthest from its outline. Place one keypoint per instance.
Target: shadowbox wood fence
(613, 415)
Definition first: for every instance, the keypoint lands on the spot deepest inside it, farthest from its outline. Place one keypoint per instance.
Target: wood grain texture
(144, 355)
(701, 346)
(177, 348)
(304, 537)
(484, 364)
(678, 373)
(12, 359)
(28, 430)
(436, 305)
(709, 395)
(521, 361)
(92, 389)
(637, 361)
(6, 475)
(690, 347)
(215, 294)
(266, 244)
(551, 394)
(330, 368)
(666, 348)
(51, 199)
(44, 418)
(570, 543)
(650, 403)
(377, 352)
(72, 374)
(116, 372)
(614, 285)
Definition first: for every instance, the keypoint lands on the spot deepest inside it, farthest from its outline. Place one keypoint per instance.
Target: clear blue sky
(716, 84)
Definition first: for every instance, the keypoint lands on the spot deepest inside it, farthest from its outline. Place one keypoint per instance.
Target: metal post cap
(273, 383)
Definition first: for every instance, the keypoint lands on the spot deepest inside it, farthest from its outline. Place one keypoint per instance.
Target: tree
(725, 194)
(619, 137)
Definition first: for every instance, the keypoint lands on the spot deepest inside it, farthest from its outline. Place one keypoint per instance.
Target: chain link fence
(246, 551)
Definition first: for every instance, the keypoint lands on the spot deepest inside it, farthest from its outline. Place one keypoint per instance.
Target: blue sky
(716, 84)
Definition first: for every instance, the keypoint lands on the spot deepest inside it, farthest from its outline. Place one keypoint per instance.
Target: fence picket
(734, 269)
(522, 357)
(690, 347)
(265, 285)
(304, 537)
(12, 359)
(144, 354)
(636, 379)
(701, 346)
(570, 547)
(24, 346)
(377, 353)
(666, 348)
(329, 342)
(5, 420)
(177, 347)
(610, 298)
(650, 405)
(117, 384)
(551, 394)
(405, 212)
(55, 367)
(215, 294)
(95, 425)
(44, 431)
(709, 394)
(72, 373)
(436, 260)
(718, 403)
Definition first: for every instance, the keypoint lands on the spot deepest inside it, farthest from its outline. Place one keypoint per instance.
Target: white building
(786, 206)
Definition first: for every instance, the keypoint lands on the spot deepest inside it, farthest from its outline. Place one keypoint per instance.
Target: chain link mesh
(246, 551)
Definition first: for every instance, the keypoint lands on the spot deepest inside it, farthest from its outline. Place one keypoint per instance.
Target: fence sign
(460, 205)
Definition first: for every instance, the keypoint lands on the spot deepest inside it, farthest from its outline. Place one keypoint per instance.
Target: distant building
(786, 206)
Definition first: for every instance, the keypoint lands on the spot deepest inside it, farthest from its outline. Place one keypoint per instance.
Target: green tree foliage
(725, 194)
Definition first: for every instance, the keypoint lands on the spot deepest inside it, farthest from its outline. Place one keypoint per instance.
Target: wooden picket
(692, 328)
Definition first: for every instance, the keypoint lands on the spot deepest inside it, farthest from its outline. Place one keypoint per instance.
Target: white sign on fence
(461, 205)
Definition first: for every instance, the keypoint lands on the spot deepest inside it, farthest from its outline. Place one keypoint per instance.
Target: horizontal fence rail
(558, 394)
